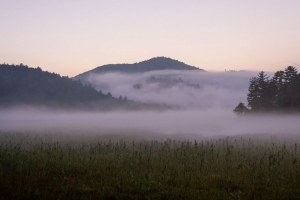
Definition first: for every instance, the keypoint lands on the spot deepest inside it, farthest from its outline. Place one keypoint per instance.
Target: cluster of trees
(279, 93)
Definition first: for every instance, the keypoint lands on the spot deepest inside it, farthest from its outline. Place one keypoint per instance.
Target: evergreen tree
(289, 89)
(253, 95)
(240, 109)
(109, 95)
(276, 88)
(260, 96)
(290, 73)
(265, 92)
(297, 92)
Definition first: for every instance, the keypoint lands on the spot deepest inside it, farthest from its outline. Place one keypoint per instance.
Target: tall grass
(53, 166)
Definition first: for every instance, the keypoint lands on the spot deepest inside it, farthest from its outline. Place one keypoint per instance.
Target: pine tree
(290, 73)
(241, 109)
(109, 95)
(259, 96)
(289, 88)
(253, 96)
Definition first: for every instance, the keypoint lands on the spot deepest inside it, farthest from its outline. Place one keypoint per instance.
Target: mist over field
(220, 89)
(203, 112)
(185, 124)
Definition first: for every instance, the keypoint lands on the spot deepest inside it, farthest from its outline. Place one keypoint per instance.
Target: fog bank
(214, 122)
(220, 89)
(207, 111)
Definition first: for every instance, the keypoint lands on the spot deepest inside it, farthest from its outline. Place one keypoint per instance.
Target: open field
(65, 166)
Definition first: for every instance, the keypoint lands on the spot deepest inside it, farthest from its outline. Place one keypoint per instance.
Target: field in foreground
(53, 166)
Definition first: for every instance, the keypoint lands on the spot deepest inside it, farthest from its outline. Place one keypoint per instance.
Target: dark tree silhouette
(258, 96)
(253, 95)
(241, 109)
(281, 93)
(290, 73)
(109, 95)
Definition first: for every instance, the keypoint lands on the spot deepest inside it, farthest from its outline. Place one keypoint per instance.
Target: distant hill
(158, 63)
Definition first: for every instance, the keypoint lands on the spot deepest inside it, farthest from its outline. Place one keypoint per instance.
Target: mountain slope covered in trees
(158, 63)
(280, 93)
(20, 84)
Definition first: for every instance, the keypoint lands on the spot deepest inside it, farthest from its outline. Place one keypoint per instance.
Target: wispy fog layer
(214, 122)
(220, 94)
(220, 89)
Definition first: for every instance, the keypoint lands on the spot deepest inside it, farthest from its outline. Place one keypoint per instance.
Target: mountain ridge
(153, 64)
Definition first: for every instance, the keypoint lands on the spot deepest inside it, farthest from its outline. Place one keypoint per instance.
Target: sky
(73, 36)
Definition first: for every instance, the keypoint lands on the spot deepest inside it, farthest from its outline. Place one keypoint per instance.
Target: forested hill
(20, 84)
(158, 63)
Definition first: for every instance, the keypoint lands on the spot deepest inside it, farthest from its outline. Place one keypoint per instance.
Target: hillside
(20, 84)
(158, 63)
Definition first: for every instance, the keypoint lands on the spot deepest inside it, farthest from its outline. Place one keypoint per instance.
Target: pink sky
(70, 37)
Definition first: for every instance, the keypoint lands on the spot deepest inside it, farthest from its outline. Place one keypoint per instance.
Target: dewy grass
(61, 166)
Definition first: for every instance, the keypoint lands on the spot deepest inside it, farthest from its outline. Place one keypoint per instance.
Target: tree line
(279, 93)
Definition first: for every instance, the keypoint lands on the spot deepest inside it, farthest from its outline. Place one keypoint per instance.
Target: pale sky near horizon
(72, 36)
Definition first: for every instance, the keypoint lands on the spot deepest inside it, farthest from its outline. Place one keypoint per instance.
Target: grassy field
(65, 166)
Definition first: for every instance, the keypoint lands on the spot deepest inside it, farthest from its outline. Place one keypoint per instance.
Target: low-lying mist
(205, 111)
(218, 89)
(185, 124)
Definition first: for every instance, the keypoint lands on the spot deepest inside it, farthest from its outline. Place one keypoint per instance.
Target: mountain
(158, 63)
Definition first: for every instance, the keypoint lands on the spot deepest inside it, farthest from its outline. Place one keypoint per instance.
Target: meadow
(112, 166)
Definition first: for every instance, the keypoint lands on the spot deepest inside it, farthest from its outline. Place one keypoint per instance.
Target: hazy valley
(146, 134)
